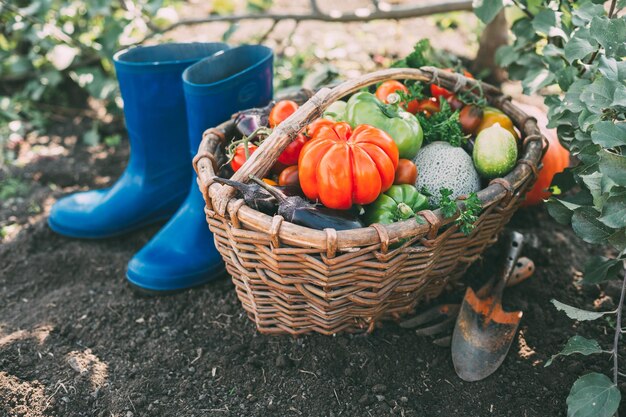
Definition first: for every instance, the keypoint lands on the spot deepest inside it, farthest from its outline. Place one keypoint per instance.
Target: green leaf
(544, 21)
(593, 182)
(536, 79)
(618, 240)
(593, 395)
(598, 95)
(559, 211)
(572, 100)
(614, 212)
(613, 166)
(610, 33)
(609, 134)
(578, 46)
(599, 269)
(506, 55)
(612, 69)
(577, 344)
(586, 225)
(585, 12)
(575, 313)
(486, 10)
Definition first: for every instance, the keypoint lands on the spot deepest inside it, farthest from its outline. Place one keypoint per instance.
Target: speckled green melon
(441, 165)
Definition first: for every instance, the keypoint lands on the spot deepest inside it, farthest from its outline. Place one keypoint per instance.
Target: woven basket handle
(262, 160)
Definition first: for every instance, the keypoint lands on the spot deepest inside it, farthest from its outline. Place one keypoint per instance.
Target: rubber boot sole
(150, 292)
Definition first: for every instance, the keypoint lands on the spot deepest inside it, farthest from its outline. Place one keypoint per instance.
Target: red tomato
(470, 118)
(289, 176)
(389, 87)
(282, 110)
(437, 91)
(314, 127)
(240, 155)
(454, 102)
(341, 167)
(406, 173)
(429, 106)
(292, 152)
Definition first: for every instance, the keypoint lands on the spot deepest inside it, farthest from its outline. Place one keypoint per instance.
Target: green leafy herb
(422, 55)
(442, 126)
(446, 204)
(416, 92)
(467, 215)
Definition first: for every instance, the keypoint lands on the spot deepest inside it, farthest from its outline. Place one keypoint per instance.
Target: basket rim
(344, 240)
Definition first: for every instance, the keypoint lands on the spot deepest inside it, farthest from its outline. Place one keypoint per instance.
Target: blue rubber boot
(155, 182)
(183, 254)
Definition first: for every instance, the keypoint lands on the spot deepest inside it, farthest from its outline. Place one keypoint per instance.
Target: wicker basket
(292, 279)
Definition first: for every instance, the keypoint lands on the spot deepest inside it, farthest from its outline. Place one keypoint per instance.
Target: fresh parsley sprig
(467, 216)
(442, 126)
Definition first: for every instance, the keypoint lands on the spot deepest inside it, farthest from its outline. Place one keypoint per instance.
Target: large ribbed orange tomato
(341, 167)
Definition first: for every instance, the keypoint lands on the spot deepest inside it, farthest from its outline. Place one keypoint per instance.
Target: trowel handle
(514, 250)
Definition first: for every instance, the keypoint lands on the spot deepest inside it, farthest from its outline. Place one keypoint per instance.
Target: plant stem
(611, 11)
(618, 332)
(523, 9)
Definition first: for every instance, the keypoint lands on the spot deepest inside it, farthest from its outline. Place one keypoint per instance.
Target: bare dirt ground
(75, 340)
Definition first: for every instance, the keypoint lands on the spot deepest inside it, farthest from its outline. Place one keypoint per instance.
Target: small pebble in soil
(282, 361)
(365, 399)
(404, 400)
(379, 388)
(380, 398)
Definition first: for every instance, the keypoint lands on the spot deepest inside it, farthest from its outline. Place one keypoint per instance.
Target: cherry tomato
(282, 110)
(392, 86)
(270, 182)
(240, 155)
(289, 176)
(429, 106)
(455, 103)
(437, 91)
(292, 152)
(406, 173)
(470, 118)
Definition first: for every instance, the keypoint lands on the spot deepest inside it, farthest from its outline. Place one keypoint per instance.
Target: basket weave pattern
(295, 280)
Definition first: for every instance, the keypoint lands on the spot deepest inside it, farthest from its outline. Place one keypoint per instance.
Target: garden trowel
(484, 331)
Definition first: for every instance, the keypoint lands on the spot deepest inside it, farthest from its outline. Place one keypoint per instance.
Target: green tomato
(365, 109)
(400, 202)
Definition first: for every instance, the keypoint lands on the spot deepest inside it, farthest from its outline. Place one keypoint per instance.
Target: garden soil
(76, 340)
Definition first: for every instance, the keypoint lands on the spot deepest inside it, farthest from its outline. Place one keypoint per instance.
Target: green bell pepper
(400, 202)
(402, 126)
(336, 111)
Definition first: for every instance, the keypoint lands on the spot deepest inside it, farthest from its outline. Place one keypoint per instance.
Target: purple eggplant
(297, 210)
(249, 121)
(258, 197)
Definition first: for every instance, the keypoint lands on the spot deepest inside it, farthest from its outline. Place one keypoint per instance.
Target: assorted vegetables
(402, 126)
(381, 158)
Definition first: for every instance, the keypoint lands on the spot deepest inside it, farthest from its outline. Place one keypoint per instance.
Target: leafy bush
(573, 52)
(59, 52)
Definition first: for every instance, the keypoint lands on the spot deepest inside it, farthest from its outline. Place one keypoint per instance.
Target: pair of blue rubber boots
(172, 93)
